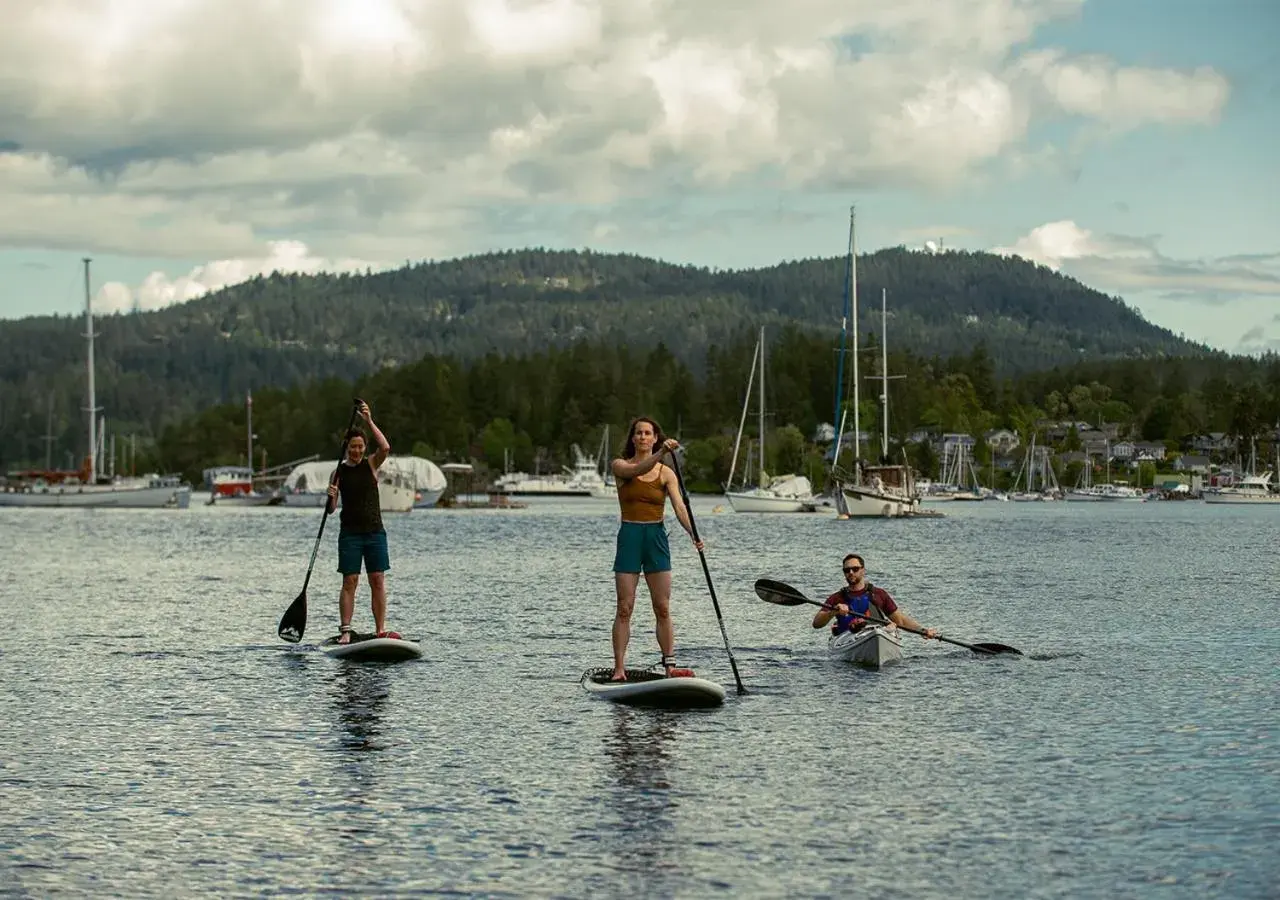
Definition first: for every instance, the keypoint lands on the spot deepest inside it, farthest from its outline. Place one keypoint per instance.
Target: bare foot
(619, 675)
(344, 635)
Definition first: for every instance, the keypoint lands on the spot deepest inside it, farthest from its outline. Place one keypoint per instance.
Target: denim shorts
(642, 547)
(369, 547)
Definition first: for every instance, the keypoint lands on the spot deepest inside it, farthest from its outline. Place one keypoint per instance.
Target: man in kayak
(361, 537)
(857, 598)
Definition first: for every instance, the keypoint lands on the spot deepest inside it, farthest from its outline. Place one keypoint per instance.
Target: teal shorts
(367, 547)
(642, 547)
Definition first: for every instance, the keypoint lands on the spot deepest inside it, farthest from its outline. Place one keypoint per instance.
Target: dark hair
(355, 433)
(862, 562)
(629, 450)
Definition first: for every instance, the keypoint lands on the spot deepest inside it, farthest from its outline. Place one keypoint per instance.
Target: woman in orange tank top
(644, 484)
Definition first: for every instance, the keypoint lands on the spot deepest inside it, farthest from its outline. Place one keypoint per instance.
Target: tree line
(533, 407)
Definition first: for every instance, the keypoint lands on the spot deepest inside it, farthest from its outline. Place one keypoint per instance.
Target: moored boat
(874, 646)
(1252, 489)
(90, 486)
(51, 489)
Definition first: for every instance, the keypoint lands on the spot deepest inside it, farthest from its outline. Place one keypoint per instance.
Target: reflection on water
(360, 693)
(639, 747)
(201, 757)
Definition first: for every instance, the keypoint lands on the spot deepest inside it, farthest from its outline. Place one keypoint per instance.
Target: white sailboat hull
(1081, 497)
(427, 499)
(1243, 498)
(101, 497)
(765, 502)
(391, 498)
(235, 501)
(865, 502)
(874, 646)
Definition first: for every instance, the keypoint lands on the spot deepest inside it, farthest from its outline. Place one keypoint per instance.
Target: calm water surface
(161, 741)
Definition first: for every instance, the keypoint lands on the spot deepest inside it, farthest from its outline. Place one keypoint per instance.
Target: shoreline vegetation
(529, 410)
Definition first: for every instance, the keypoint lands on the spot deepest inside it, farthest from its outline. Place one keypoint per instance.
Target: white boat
(1252, 489)
(1106, 493)
(232, 486)
(141, 492)
(307, 485)
(874, 646)
(884, 491)
(88, 486)
(425, 478)
(763, 500)
(1085, 491)
(783, 494)
(583, 480)
(1035, 467)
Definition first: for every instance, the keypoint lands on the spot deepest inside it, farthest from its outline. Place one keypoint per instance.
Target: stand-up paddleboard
(648, 688)
(371, 648)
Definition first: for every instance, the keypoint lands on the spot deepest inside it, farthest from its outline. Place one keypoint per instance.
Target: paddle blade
(294, 621)
(771, 591)
(998, 648)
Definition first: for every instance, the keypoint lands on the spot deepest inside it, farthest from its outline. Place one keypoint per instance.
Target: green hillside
(159, 367)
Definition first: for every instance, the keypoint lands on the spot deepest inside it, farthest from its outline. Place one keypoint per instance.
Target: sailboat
(88, 486)
(883, 491)
(233, 485)
(1036, 464)
(785, 494)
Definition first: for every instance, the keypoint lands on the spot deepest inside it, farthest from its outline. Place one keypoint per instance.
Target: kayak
(873, 646)
(645, 687)
(371, 648)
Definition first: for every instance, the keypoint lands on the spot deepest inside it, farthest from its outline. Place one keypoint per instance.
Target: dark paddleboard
(652, 689)
(370, 648)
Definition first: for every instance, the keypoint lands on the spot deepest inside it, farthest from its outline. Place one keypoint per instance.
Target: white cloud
(1241, 291)
(1098, 88)
(157, 290)
(400, 129)
(1120, 262)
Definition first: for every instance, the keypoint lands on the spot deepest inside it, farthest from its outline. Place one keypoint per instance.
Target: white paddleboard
(367, 648)
(647, 688)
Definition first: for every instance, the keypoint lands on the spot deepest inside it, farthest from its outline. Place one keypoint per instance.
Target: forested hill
(279, 330)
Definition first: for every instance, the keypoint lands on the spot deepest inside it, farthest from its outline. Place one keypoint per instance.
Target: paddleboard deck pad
(371, 648)
(645, 687)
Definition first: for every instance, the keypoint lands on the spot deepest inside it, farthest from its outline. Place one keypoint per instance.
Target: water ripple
(166, 744)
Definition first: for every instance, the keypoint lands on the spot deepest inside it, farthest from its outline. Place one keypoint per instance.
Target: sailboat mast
(249, 424)
(93, 400)
(853, 305)
(761, 406)
(837, 417)
(48, 436)
(746, 401)
(884, 373)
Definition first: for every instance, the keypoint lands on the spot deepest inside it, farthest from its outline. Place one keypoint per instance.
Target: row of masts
(849, 319)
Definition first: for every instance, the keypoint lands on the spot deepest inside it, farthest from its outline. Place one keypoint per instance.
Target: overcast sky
(189, 144)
